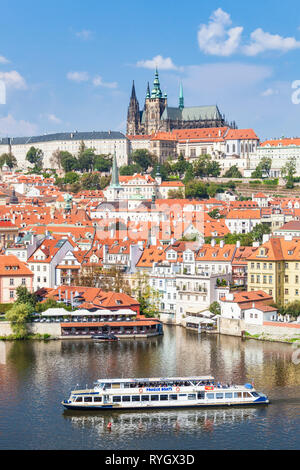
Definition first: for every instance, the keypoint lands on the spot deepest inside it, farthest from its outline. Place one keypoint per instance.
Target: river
(35, 376)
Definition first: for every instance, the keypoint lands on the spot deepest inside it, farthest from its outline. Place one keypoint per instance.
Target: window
(228, 395)
(237, 394)
(219, 396)
(126, 398)
(88, 399)
(200, 395)
(135, 398)
(173, 397)
(11, 282)
(145, 397)
(23, 281)
(210, 396)
(11, 294)
(163, 397)
(192, 396)
(246, 395)
(78, 399)
(154, 397)
(97, 399)
(116, 399)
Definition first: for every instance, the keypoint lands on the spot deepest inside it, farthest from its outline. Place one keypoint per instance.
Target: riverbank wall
(52, 329)
(271, 331)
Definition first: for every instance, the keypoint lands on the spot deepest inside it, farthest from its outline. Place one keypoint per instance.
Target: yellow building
(275, 269)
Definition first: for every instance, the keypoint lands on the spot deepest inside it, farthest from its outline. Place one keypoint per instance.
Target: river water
(35, 376)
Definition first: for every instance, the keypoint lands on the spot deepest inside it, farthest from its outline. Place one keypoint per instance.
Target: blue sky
(69, 65)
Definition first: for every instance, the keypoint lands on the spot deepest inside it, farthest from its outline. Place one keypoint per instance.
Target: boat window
(219, 396)
(145, 397)
(127, 385)
(163, 397)
(116, 399)
(115, 385)
(192, 396)
(182, 395)
(88, 399)
(228, 394)
(246, 394)
(154, 397)
(173, 397)
(237, 395)
(106, 386)
(126, 398)
(255, 394)
(135, 398)
(97, 398)
(210, 396)
(200, 395)
(79, 399)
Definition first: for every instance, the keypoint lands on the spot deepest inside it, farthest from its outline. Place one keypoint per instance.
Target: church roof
(192, 113)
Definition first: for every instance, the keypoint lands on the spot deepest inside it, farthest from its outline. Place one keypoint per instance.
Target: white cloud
(269, 92)
(11, 127)
(97, 81)
(85, 34)
(217, 38)
(53, 118)
(3, 60)
(13, 79)
(262, 41)
(78, 76)
(158, 61)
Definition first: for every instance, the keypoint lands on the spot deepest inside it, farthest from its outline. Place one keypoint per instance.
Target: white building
(103, 142)
(280, 151)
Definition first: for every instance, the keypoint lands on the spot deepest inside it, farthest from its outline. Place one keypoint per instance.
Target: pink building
(13, 273)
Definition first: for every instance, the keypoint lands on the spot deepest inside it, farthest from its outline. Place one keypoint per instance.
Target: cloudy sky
(69, 64)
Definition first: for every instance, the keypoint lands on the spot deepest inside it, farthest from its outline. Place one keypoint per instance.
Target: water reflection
(153, 421)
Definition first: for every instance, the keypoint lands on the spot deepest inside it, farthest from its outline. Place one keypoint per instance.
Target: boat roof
(155, 379)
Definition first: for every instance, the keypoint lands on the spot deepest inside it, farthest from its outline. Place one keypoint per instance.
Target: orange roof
(243, 214)
(10, 265)
(241, 134)
(281, 142)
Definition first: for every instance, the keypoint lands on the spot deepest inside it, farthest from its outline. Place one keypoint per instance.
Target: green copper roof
(196, 113)
(156, 92)
(181, 100)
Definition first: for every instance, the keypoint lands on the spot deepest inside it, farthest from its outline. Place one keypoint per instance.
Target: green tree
(71, 177)
(86, 160)
(260, 230)
(180, 167)
(148, 297)
(18, 317)
(102, 163)
(35, 157)
(143, 158)
(90, 181)
(215, 308)
(175, 194)
(288, 171)
(67, 161)
(196, 189)
(129, 170)
(9, 159)
(264, 166)
(24, 296)
(233, 172)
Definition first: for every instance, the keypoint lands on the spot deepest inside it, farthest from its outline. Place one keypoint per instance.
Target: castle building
(157, 116)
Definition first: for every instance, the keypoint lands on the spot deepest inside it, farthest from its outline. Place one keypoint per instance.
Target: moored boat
(174, 392)
(102, 338)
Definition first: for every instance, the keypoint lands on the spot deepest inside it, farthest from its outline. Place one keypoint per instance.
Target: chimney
(213, 242)
(222, 243)
(238, 244)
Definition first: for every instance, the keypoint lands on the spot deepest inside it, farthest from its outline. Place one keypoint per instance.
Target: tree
(143, 158)
(233, 172)
(213, 168)
(288, 171)
(9, 159)
(86, 160)
(148, 297)
(35, 157)
(67, 161)
(24, 296)
(71, 177)
(102, 163)
(259, 230)
(129, 170)
(180, 167)
(215, 214)
(196, 189)
(175, 194)
(264, 166)
(90, 181)
(18, 315)
(215, 308)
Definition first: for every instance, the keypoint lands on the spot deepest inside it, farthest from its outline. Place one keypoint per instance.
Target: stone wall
(275, 331)
(52, 329)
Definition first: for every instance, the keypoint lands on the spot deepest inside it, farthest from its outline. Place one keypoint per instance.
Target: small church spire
(181, 99)
(133, 95)
(148, 91)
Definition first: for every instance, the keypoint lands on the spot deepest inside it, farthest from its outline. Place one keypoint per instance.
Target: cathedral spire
(156, 92)
(133, 95)
(115, 173)
(181, 99)
(148, 91)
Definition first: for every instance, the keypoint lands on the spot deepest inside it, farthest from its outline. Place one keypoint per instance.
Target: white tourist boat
(173, 392)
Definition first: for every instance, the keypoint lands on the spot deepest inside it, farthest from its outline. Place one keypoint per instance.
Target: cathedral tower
(155, 105)
(133, 116)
